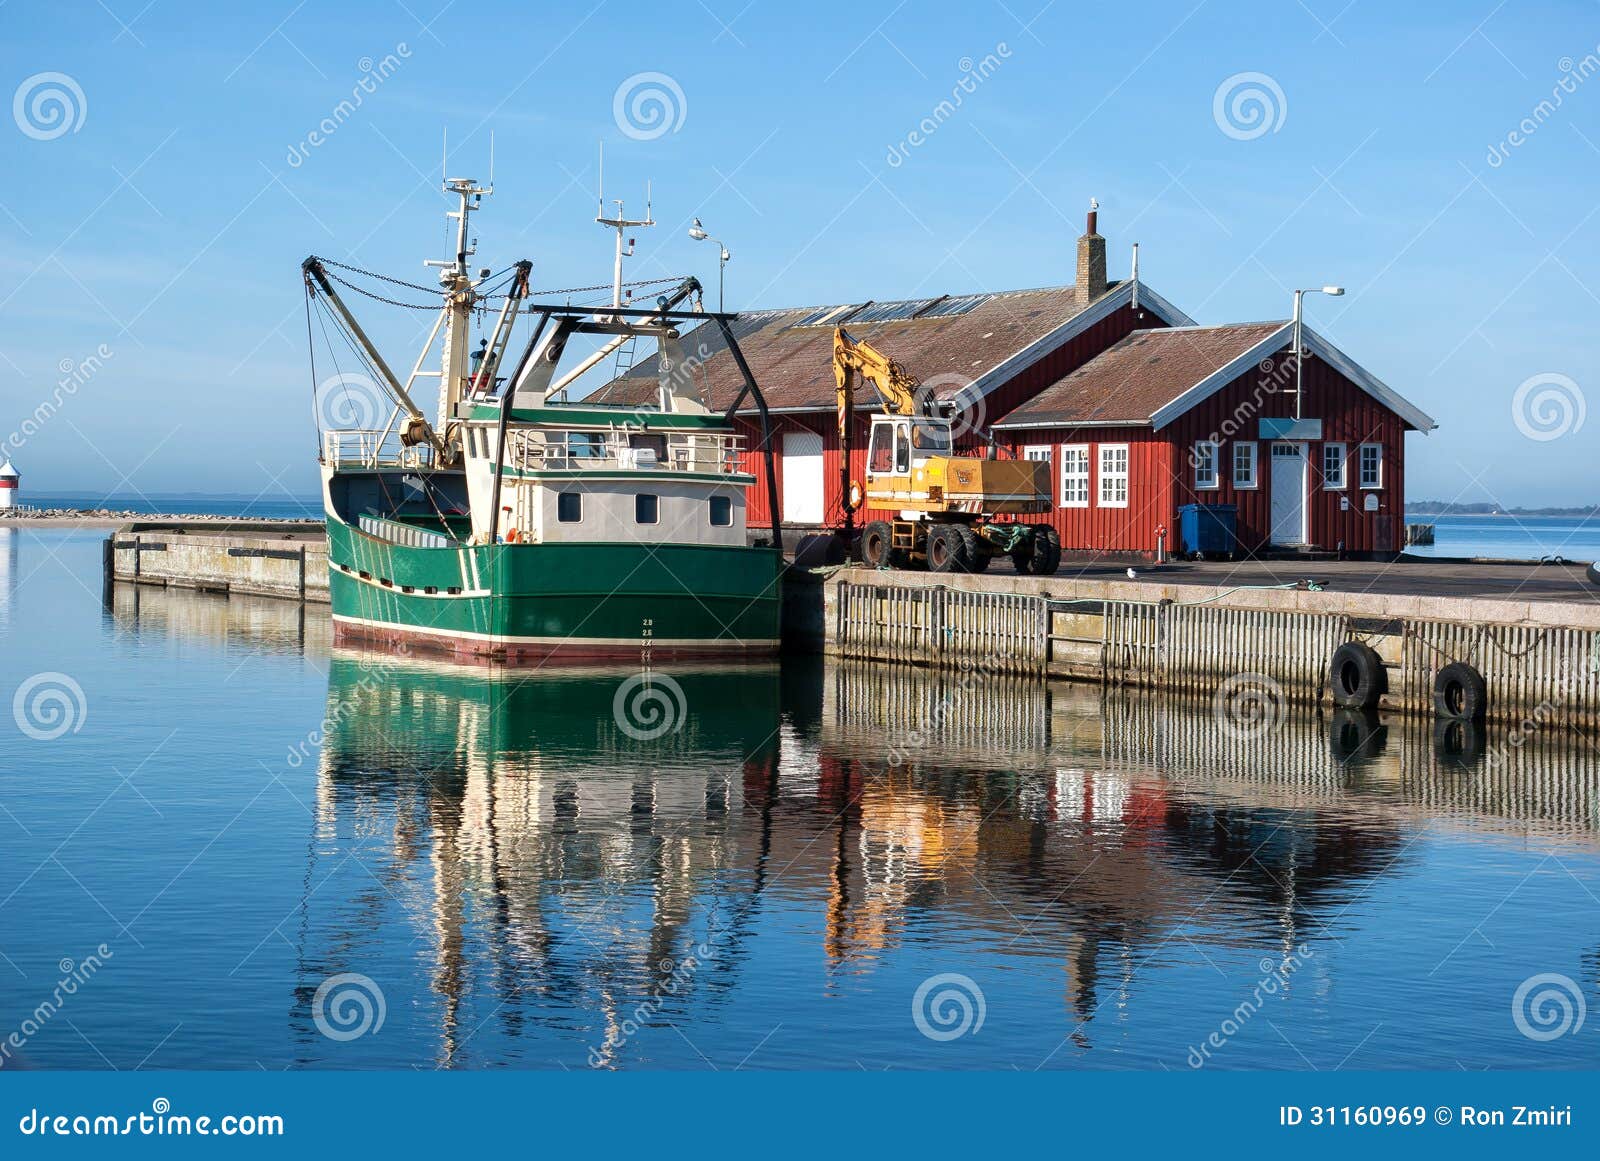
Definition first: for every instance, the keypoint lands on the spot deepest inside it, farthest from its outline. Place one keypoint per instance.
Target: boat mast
(460, 297)
(621, 224)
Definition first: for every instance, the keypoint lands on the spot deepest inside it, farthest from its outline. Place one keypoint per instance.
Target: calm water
(240, 815)
(1512, 537)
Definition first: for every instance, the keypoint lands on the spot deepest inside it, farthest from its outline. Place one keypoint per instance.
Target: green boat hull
(525, 603)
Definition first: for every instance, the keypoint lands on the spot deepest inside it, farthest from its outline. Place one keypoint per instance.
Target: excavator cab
(898, 446)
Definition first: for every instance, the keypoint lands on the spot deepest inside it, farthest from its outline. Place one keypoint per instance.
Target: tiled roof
(1133, 379)
(947, 342)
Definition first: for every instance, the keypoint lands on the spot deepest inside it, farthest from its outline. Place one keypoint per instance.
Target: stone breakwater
(46, 514)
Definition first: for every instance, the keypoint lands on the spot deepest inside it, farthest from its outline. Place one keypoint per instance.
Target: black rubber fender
(1460, 693)
(1457, 742)
(1356, 676)
(1356, 736)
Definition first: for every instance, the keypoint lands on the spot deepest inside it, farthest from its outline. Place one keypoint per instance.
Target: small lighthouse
(9, 479)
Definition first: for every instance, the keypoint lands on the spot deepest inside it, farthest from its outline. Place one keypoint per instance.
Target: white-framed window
(1074, 475)
(1205, 464)
(1036, 451)
(1372, 465)
(1113, 475)
(1244, 463)
(1333, 466)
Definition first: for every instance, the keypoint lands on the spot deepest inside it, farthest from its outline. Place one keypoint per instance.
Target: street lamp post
(1299, 347)
(698, 233)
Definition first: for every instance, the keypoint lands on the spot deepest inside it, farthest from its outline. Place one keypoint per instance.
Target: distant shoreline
(1439, 508)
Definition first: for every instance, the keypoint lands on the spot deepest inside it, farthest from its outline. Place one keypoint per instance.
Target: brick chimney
(1092, 257)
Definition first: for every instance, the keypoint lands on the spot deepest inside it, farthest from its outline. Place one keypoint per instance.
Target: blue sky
(166, 225)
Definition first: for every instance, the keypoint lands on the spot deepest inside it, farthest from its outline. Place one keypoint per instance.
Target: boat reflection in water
(598, 867)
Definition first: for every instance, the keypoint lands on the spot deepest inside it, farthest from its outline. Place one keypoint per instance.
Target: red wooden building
(986, 353)
(1209, 415)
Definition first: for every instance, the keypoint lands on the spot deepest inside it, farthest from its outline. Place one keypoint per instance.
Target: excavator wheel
(972, 543)
(947, 549)
(1041, 555)
(876, 545)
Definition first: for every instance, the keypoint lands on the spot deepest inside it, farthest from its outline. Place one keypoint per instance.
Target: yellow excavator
(945, 503)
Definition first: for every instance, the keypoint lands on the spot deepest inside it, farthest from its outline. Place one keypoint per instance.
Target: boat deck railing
(371, 448)
(716, 454)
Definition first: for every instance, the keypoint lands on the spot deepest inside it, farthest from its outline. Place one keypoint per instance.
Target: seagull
(1132, 575)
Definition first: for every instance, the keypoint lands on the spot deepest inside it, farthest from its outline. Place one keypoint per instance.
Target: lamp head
(1335, 291)
(697, 232)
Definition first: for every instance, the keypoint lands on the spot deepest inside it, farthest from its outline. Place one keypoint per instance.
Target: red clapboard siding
(1349, 415)
(1161, 468)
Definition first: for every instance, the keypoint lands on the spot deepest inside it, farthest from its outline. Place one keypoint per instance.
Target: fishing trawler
(514, 526)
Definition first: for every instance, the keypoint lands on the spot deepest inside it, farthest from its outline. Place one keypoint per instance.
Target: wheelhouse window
(586, 445)
(1074, 475)
(1333, 460)
(1244, 464)
(721, 511)
(646, 509)
(569, 507)
(1205, 464)
(1372, 465)
(1113, 475)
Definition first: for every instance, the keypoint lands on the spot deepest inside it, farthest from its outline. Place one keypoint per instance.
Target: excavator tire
(1041, 555)
(876, 541)
(947, 550)
(972, 544)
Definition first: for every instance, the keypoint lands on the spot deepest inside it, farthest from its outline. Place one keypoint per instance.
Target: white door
(1288, 493)
(802, 477)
